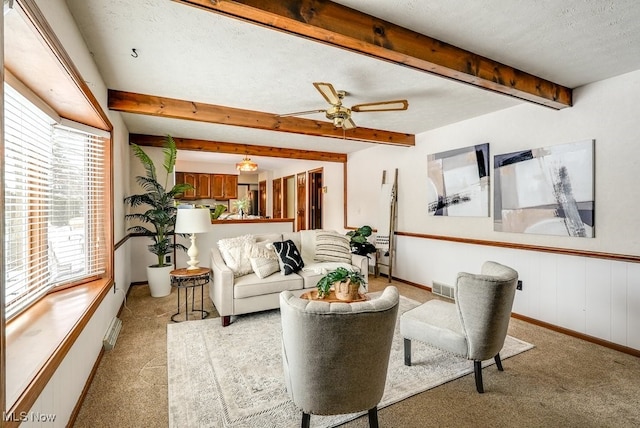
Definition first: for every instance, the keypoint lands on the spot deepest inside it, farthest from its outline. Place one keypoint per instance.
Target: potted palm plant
(346, 284)
(159, 219)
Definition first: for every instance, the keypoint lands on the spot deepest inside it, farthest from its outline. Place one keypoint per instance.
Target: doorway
(316, 190)
(289, 196)
(277, 198)
(262, 196)
(301, 196)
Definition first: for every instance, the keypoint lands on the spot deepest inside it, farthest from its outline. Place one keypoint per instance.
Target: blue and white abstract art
(547, 191)
(458, 182)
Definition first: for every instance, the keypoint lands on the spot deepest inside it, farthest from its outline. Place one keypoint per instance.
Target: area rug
(232, 376)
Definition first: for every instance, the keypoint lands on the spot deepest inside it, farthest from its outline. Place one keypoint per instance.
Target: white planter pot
(159, 280)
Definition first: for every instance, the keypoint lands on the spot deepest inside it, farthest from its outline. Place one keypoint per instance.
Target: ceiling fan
(341, 115)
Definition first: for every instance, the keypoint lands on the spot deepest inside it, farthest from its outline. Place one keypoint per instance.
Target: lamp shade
(193, 220)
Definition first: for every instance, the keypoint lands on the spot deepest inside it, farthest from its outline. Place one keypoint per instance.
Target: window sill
(38, 339)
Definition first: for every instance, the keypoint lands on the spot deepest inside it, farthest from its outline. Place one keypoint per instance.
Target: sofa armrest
(221, 288)
(362, 263)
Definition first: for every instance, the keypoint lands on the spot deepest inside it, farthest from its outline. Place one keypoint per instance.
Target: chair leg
(373, 417)
(498, 362)
(477, 369)
(306, 420)
(407, 352)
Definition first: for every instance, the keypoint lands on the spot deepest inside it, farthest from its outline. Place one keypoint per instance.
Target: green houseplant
(341, 275)
(159, 219)
(359, 243)
(217, 212)
(242, 205)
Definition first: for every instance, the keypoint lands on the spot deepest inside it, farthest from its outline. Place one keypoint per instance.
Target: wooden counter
(254, 220)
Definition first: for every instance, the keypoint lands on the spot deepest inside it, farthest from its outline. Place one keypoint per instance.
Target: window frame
(33, 198)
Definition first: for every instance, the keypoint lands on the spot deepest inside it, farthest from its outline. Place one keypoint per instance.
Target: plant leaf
(170, 154)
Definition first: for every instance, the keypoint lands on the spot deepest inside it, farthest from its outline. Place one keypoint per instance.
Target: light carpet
(232, 376)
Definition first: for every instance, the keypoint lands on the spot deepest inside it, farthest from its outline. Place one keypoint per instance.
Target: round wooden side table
(185, 279)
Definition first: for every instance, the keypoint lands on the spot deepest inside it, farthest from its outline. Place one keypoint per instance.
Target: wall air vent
(111, 335)
(443, 290)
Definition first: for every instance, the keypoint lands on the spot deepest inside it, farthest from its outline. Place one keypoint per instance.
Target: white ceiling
(191, 54)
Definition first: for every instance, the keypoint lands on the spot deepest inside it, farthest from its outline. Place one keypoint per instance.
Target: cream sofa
(248, 293)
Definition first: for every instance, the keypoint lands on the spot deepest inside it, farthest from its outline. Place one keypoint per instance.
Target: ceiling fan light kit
(341, 115)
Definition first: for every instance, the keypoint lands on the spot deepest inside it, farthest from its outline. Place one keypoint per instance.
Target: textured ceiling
(191, 54)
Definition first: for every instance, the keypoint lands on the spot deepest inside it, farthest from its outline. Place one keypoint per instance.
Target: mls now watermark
(28, 417)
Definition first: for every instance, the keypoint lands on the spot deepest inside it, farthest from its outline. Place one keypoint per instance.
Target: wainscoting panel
(571, 293)
(598, 305)
(591, 296)
(619, 311)
(543, 287)
(633, 306)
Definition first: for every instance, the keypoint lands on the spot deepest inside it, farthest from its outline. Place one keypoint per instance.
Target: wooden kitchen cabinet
(203, 189)
(224, 186)
(217, 186)
(187, 177)
(209, 186)
(230, 186)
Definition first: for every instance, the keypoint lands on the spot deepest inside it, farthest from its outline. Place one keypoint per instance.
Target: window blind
(54, 203)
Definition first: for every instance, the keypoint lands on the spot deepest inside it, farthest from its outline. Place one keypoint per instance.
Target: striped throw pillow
(332, 247)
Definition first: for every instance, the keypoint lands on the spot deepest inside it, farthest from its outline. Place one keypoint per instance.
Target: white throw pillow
(236, 253)
(264, 267)
(264, 250)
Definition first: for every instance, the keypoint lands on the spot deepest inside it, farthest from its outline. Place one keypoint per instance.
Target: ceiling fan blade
(328, 92)
(382, 106)
(302, 113)
(348, 124)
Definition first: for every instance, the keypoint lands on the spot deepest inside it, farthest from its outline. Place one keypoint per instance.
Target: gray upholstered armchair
(335, 355)
(475, 326)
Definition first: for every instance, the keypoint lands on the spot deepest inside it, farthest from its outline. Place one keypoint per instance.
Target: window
(54, 203)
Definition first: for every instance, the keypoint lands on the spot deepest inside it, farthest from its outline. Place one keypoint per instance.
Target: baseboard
(577, 335)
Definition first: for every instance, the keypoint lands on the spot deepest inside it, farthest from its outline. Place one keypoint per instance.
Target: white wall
(606, 111)
(592, 296)
(205, 167)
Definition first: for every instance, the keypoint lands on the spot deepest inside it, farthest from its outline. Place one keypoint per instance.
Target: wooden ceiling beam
(153, 105)
(237, 149)
(341, 26)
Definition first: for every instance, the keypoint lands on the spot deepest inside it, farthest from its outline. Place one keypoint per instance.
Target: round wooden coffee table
(184, 279)
(331, 298)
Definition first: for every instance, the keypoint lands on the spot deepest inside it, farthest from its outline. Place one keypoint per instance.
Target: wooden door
(277, 198)
(301, 199)
(262, 197)
(316, 191)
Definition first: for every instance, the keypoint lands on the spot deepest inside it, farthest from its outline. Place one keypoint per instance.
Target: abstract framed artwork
(549, 190)
(458, 182)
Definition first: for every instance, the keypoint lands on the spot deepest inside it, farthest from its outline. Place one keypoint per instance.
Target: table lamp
(193, 220)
